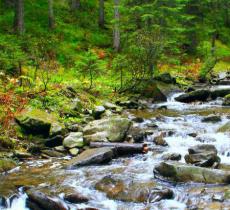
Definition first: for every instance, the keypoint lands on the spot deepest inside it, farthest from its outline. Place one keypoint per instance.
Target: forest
(137, 90)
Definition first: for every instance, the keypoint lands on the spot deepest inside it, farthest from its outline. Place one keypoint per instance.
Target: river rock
(98, 111)
(112, 129)
(76, 198)
(204, 155)
(129, 191)
(54, 141)
(172, 156)
(130, 104)
(91, 156)
(74, 151)
(74, 139)
(39, 201)
(226, 101)
(38, 122)
(6, 165)
(219, 93)
(138, 134)
(159, 140)
(212, 119)
(224, 128)
(52, 153)
(197, 95)
(22, 155)
(179, 172)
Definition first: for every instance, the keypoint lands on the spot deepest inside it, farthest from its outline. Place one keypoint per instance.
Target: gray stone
(74, 151)
(74, 139)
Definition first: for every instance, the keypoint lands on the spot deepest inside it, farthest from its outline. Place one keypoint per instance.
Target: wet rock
(219, 93)
(212, 119)
(74, 151)
(202, 148)
(98, 111)
(172, 156)
(54, 141)
(226, 101)
(197, 95)
(132, 191)
(90, 157)
(204, 155)
(76, 198)
(52, 153)
(38, 122)
(218, 197)
(39, 201)
(138, 120)
(152, 125)
(6, 165)
(225, 128)
(112, 129)
(159, 140)
(194, 135)
(74, 139)
(137, 134)
(3, 202)
(60, 149)
(179, 172)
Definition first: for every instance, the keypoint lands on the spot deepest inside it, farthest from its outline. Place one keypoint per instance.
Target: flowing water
(178, 121)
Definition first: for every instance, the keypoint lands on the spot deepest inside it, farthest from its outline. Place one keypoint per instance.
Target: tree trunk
(101, 21)
(19, 17)
(74, 5)
(51, 15)
(116, 31)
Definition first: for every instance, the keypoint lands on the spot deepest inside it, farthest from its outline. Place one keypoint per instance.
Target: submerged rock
(74, 139)
(112, 129)
(91, 156)
(39, 201)
(132, 191)
(184, 173)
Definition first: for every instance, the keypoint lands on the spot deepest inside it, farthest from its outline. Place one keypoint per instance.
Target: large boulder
(90, 157)
(131, 191)
(74, 139)
(39, 122)
(197, 95)
(112, 129)
(179, 172)
(38, 200)
(204, 155)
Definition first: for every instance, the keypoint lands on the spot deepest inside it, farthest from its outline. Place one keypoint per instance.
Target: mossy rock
(39, 122)
(224, 128)
(6, 165)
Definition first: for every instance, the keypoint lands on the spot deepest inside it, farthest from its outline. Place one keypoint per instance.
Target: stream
(178, 121)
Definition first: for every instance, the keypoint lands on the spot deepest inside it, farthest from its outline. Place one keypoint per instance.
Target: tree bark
(19, 17)
(51, 15)
(116, 31)
(101, 21)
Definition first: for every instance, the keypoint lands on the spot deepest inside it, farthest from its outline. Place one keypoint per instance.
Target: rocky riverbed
(187, 165)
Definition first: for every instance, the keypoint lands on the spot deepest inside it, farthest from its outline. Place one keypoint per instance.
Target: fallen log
(122, 148)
